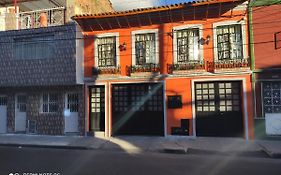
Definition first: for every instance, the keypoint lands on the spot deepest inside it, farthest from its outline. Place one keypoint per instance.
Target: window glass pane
(187, 45)
(145, 48)
(106, 47)
(229, 42)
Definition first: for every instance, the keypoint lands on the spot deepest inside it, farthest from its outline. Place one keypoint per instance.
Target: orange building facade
(181, 69)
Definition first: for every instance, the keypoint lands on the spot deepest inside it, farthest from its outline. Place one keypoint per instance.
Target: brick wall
(57, 70)
(46, 123)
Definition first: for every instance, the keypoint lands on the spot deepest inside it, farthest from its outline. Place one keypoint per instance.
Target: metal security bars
(106, 51)
(229, 42)
(145, 48)
(187, 45)
(50, 103)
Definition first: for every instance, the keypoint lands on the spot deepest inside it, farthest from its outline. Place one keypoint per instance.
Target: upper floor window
(229, 42)
(41, 47)
(106, 48)
(187, 45)
(145, 48)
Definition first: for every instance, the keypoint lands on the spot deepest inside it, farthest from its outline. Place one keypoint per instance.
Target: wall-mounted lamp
(205, 40)
(122, 47)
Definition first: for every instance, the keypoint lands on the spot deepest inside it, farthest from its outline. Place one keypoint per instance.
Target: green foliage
(256, 3)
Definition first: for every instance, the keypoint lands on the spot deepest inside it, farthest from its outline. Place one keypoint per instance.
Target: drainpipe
(252, 55)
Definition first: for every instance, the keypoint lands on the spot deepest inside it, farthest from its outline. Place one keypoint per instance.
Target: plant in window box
(189, 66)
(109, 70)
(145, 68)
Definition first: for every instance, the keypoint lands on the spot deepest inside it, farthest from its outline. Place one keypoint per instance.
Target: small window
(73, 102)
(145, 47)
(50, 103)
(229, 42)
(41, 47)
(187, 45)
(175, 101)
(106, 51)
(277, 40)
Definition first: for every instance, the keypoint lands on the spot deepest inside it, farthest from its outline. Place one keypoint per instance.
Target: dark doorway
(219, 109)
(97, 108)
(137, 109)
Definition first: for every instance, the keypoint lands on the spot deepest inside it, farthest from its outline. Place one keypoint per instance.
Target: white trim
(246, 117)
(139, 82)
(175, 44)
(117, 45)
(226, 23)
(146, 31)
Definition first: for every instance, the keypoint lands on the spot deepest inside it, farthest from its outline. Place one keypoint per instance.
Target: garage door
(137, 109)
(218, 109)
(3, 114)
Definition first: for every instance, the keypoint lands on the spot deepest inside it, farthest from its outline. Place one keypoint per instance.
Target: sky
(120, 5)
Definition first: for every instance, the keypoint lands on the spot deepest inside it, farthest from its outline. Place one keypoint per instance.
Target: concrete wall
(77, 7)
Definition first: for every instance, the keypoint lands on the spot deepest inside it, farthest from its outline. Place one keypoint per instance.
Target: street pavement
(51, 161)
(140, 144)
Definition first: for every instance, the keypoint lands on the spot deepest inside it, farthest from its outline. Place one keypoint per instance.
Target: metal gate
(137, 109)
(218, 109)
(97, 108)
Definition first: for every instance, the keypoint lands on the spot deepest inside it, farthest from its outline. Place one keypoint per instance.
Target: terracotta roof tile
(151, 9)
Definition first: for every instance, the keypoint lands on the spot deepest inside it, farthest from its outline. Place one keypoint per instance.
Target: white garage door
(3, 114)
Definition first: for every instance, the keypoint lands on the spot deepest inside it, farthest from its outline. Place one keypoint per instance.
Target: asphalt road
(35, 161)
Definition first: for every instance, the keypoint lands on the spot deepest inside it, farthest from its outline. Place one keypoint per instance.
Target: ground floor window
(272, 97)
(50, 102)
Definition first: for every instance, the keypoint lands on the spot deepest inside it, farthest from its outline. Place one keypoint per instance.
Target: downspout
(252, 56)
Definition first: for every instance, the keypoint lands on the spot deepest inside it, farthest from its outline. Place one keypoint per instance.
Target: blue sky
(120, 5)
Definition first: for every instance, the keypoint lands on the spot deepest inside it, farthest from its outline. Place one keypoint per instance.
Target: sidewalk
(138, 144)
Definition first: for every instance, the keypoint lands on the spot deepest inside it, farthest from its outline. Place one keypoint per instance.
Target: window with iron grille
(271, 97)
(229, 42)
(145, 48)
(50, 103)
(106, 51)
(73, 102)
(187, 45)
(36, 47)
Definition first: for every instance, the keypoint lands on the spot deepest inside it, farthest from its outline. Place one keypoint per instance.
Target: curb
(270, 153)
(175, 150)
(46, 146)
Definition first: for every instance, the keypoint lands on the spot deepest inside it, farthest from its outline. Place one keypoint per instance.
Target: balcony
(106, 71)
(186, 67)
(42, 18)
(142, 69)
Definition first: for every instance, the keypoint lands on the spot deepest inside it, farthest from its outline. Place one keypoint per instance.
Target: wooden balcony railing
(106, 70)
